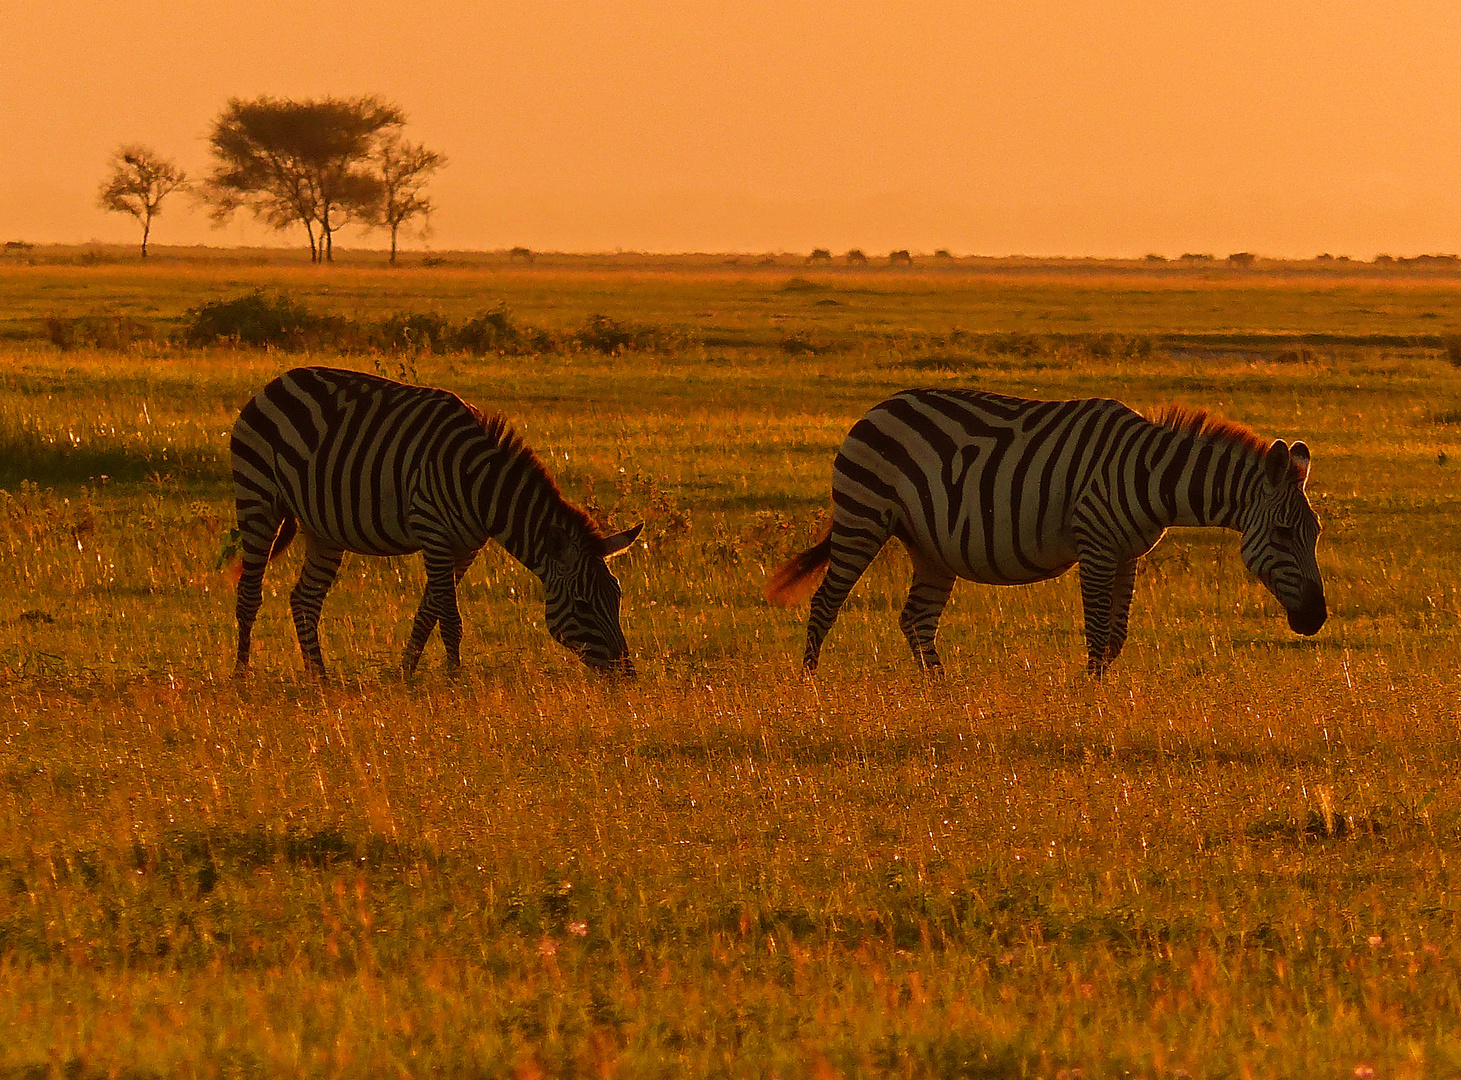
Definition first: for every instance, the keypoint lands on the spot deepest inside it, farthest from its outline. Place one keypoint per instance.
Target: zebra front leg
(851, 554)
(1122, 587)
(919, 619)
(438, 604)
(321, 564)
(1098, 578)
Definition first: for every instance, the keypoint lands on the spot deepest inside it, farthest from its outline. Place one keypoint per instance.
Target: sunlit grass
(1232, 856)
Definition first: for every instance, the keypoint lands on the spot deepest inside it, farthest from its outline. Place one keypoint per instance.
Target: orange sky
(1034, 127)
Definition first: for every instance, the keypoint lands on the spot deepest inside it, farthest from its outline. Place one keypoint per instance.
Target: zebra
(364, 464)
(1006, 490)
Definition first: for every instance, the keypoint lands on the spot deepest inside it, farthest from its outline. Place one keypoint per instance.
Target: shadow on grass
(27, 455)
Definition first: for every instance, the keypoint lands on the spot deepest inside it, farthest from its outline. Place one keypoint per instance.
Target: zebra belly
(987, 547)
(1009, 568)
(361, 520)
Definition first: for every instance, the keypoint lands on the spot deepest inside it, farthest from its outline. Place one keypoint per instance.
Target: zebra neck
(520, 504)
(1216, 486)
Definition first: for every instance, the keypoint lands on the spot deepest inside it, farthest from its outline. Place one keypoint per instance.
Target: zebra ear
(1299, 456)
(1276, 463)
(620, 542)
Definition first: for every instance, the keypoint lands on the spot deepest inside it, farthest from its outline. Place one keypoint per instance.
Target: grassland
(1232, 857)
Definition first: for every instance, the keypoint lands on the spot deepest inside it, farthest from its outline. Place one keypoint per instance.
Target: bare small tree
(403, 170)
(138, 183)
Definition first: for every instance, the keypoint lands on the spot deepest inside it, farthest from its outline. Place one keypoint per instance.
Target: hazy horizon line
(837, 254)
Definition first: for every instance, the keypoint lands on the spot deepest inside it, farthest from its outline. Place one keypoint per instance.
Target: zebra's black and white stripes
(1007, 491)
(363, 464)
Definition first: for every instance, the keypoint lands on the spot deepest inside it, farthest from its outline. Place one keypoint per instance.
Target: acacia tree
(299, 163)
(140, 179)
(403, 170)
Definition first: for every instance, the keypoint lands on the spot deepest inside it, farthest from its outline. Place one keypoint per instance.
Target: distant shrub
(801, 284)
(1193, 257)
(1452, 345)
(1155, 258)
(260, 319)
(413, 333)
(98, 332)
(603, 334)
(1242, 260)
(800, 343)
(1118, 346)
(900, 257)
(819, 255)
(257, 319)
(1014, 344)
(857, 257)
(943, 253)
(490, 331)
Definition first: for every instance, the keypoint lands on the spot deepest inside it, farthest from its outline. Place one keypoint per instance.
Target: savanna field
(1234, 856)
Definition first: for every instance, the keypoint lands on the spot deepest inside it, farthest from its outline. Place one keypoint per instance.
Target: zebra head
(583, 596)
(1279, 536)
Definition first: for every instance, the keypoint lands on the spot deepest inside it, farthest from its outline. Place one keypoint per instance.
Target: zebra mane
(500, 431)
(1201, 423)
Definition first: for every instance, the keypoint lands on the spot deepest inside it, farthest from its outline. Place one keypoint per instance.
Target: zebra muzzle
(1311, 613)
(620, 667)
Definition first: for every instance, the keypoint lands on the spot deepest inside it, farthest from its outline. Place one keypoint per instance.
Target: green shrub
(256, 319)
(490, 332)
(98, 332)
(413, 333)
(603, 334)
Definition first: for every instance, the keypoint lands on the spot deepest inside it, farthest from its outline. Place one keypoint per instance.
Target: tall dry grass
(1233, 856)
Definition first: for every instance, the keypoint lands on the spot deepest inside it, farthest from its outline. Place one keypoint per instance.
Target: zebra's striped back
(1007, 491)
(363, 464)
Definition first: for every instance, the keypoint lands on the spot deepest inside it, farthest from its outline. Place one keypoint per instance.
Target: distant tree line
(320, 164)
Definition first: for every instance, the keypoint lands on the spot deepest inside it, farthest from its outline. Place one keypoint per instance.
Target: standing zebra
(1007, 491)
(363, 464)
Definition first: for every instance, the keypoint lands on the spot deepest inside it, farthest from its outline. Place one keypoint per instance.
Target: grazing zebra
(1007, 491)
(363, 464)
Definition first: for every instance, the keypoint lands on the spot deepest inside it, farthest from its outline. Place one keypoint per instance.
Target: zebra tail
(795, 579)
(287, 528)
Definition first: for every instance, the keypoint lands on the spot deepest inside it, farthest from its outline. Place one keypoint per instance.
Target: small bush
(1119, 346)
(414, 333)
(1452, 345)
(801, 284)
(603, 334)
(256, 319)
(98, 332)
(800, 343)
(489, 332)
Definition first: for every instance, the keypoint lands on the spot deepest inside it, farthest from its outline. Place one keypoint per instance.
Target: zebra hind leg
(321, 564)
(919, 619)
(852, 552)
(262, 534)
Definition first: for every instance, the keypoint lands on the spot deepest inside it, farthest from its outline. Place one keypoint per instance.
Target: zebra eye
(1283, 534)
